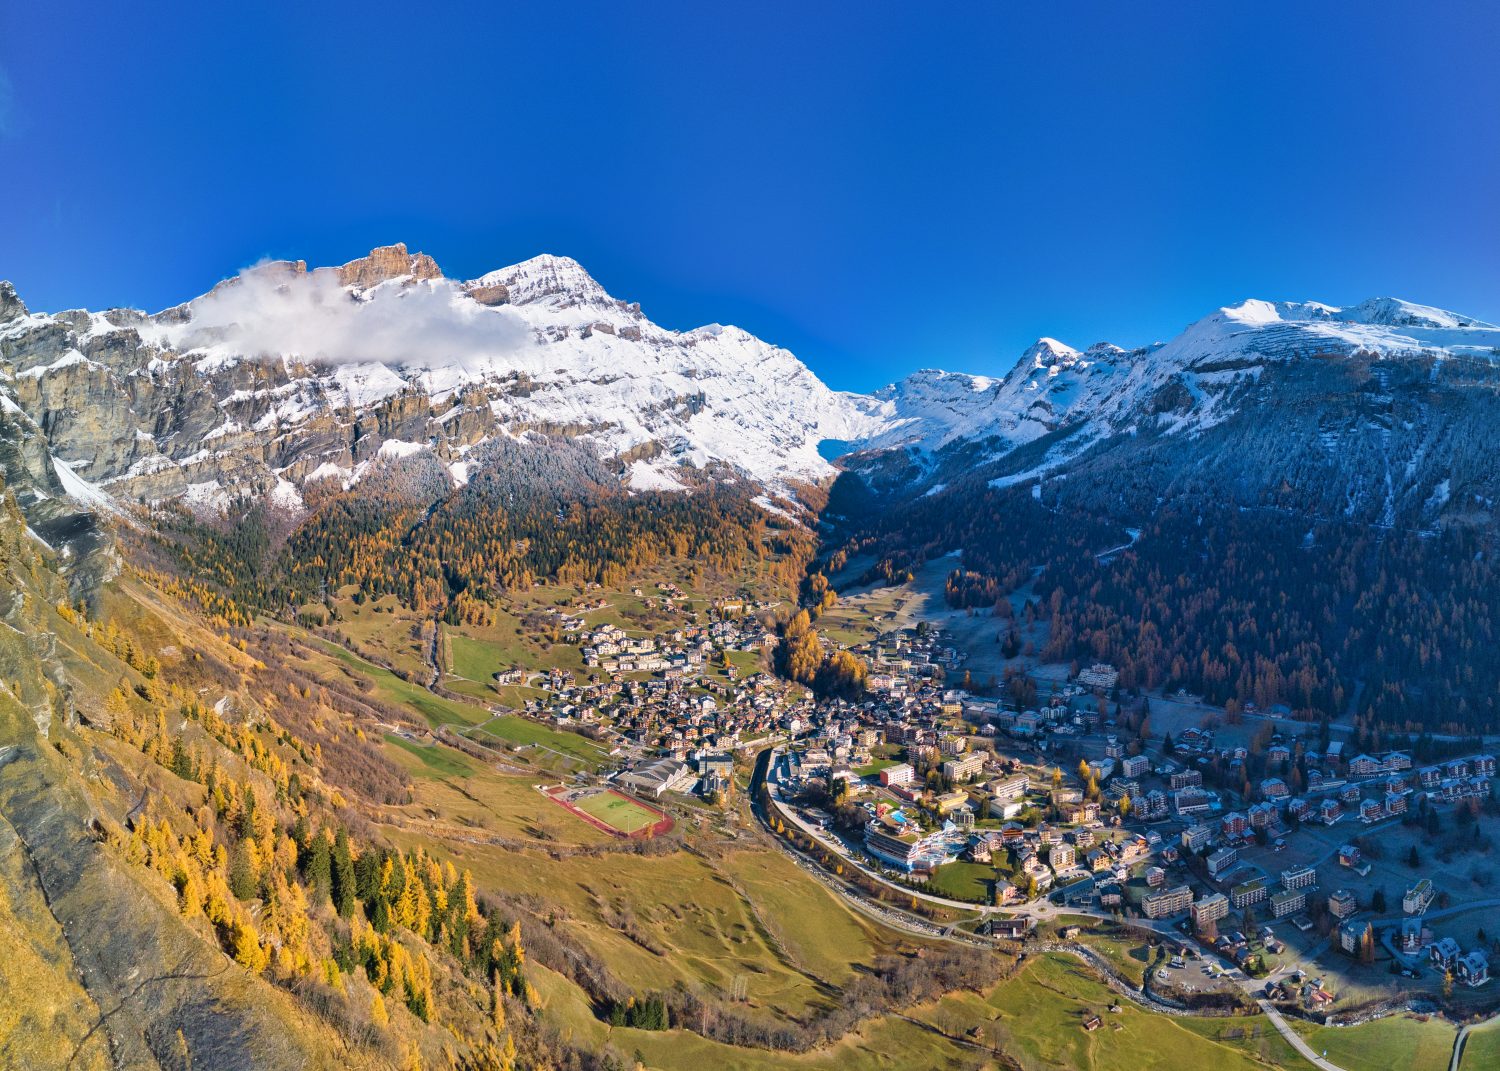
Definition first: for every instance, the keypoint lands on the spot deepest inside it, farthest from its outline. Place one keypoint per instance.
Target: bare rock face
(11, 305)
(388, 262)
(498, 294)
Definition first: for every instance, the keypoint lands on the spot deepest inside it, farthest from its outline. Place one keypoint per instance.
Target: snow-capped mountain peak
(284, 375)
(1386, 389)
(554, 280)
(1049, 353)
(1380, 312)
(1393, 312)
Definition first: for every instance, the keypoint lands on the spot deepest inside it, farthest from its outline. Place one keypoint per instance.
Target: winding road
(1040, 911)
(1295, 1039)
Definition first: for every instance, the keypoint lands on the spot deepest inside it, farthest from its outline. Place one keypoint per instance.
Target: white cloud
(268, 311)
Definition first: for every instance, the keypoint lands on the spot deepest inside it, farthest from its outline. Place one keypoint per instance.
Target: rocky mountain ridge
(1378, 412)
(285, 377)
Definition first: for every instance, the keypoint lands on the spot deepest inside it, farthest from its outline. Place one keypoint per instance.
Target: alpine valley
(403, 671)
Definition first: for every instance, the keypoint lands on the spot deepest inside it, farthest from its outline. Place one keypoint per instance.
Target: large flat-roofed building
(1101, 676)
(657, 777)
(1287, 901)
(1172, 901)
(1299, 877)
(1418, 897)
(899, 774)
(1210, 909)
(896, 843)
(962, 767)
(1248, 892)
(1221, 860)
(1190, 801)
(1010, 788)
(1195, 837)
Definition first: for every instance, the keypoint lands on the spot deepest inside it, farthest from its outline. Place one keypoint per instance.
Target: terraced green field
(550, 748)
(1037, 1020)
(392, 689)
(544, 743)
(431, 760)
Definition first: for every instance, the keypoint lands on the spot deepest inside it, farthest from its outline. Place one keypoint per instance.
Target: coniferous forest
(1396, 627)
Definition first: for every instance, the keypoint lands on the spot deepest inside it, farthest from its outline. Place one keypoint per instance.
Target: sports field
(618, 812)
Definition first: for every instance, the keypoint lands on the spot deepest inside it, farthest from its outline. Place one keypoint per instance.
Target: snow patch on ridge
(643, 477)
(82, 491)
(401, 448)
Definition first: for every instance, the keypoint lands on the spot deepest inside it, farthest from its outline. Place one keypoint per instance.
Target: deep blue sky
(876, 186)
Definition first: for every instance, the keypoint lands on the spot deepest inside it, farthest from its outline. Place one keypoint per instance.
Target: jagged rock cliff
(1381, 413)
(283, 375)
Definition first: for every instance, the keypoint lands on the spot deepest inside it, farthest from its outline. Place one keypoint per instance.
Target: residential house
(1474, 968)
(1185, 779)
(1409, 936)
(1342, 904)
(1353, 933)
(1274, 788)
(1444, 953)
(1197, 837)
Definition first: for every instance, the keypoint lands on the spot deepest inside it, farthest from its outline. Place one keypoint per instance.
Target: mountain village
(1269, 860)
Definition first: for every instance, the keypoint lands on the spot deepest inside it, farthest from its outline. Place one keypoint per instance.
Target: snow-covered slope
(1376, 410)
(1054, 385)
(282, 375)
(933, 409)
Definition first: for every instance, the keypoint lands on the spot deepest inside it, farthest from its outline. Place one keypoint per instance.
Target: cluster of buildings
(1384, 788)
(674, 654)
(919, 760)
(1410, 937)
(906, 663)
(1472, 968)
(677, 706)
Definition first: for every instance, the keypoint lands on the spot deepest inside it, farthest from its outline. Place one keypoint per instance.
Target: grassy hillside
(1398, 1043)
(1482, 1049)
(1037, 1020)
(148, 747)
(98, 967)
